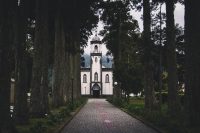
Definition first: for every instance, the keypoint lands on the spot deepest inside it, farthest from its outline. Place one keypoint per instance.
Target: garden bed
(55, 121)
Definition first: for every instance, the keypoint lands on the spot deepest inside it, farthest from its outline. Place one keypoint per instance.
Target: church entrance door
(96, 93)
(96, 90)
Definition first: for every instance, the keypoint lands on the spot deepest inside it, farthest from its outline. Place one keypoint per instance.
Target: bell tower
(95, 45)
(96, 67)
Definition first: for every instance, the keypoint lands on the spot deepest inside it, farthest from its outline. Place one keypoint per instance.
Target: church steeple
(96, 44)
(99, 81)
(95, 33)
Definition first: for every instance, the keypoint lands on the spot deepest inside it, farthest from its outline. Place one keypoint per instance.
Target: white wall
(85, 87)
(93, 48)
(107, 87)
(96, 67)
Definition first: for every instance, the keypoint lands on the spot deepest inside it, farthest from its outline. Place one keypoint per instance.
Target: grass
(53, 121)
(158, 118)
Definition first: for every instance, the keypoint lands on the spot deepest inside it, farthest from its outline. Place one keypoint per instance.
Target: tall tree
(21, 65)
(59, 58)
(6, 10)
(81, 27)
(39, 87)
(192, 33)
(115, 14)
(173, 102)
(158, 36)
(69, 27)
(75, 53)
(148, 62)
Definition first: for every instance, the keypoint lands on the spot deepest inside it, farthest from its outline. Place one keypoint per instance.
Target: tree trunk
(66, 77)
(160, 59)
(71, 75)
(67, 70)
(78, 74)
(21, 71)
(148, 63)
(5, 64)
(73, 30)
(59, 56)
(173, 102)
(39, 89)
(192, 38)
(76, 70)
(76, 40)
(76, 65)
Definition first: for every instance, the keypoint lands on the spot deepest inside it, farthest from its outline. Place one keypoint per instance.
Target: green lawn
(158, 118)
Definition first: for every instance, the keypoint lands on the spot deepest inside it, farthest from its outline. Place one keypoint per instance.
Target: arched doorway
(96, 90)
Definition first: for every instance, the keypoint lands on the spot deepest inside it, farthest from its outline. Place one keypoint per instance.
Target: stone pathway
(99, 116)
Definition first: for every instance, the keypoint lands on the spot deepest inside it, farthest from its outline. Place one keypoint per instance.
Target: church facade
(97, 77)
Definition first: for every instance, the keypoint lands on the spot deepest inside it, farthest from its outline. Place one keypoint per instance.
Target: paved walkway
(99, 116)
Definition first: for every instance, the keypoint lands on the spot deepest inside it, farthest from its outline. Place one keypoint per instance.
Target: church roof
(96, 38)
(106, 62)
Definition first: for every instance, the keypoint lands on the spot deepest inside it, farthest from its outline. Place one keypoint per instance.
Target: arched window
(107, 78)
(95, 59)
(96, 48)
(96, 76)
(84, 78)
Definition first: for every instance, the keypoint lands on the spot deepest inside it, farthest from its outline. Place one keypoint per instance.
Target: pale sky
(178, 14)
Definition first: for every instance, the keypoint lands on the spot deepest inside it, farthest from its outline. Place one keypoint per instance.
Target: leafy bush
(165, 97)
(52, 120)
(38, 127)
(76, 103)
(119, 102)
(137, 109)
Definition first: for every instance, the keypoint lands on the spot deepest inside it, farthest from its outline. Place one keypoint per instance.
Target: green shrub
(119, 102)
(38, 127)
(53, 119)
(165, 97)
(136, 109)
(76, 103)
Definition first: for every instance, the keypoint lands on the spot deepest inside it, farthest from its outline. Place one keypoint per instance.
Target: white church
(97, 76)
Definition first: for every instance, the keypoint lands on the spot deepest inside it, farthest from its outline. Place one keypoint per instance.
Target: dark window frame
(96, 48)
(96, 59)
(84, 78)
(107, 79)
(96, 77)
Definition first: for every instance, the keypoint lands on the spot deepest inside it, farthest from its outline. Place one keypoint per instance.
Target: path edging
(71, 117)
(141, 120)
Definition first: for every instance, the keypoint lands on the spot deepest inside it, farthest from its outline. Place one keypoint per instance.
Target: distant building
(97, 76)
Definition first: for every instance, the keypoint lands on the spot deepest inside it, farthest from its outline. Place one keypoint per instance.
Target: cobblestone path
(99, 116)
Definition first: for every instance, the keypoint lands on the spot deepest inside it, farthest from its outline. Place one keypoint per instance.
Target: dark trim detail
(95, 42)
(107, 69)
(95, 77)
(96, 54)
(95, 82)
(85, 69)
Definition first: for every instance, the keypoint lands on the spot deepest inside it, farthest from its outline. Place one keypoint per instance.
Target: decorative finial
(96, 33)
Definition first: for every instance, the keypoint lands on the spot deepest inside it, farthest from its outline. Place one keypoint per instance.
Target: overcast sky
(178, 14)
